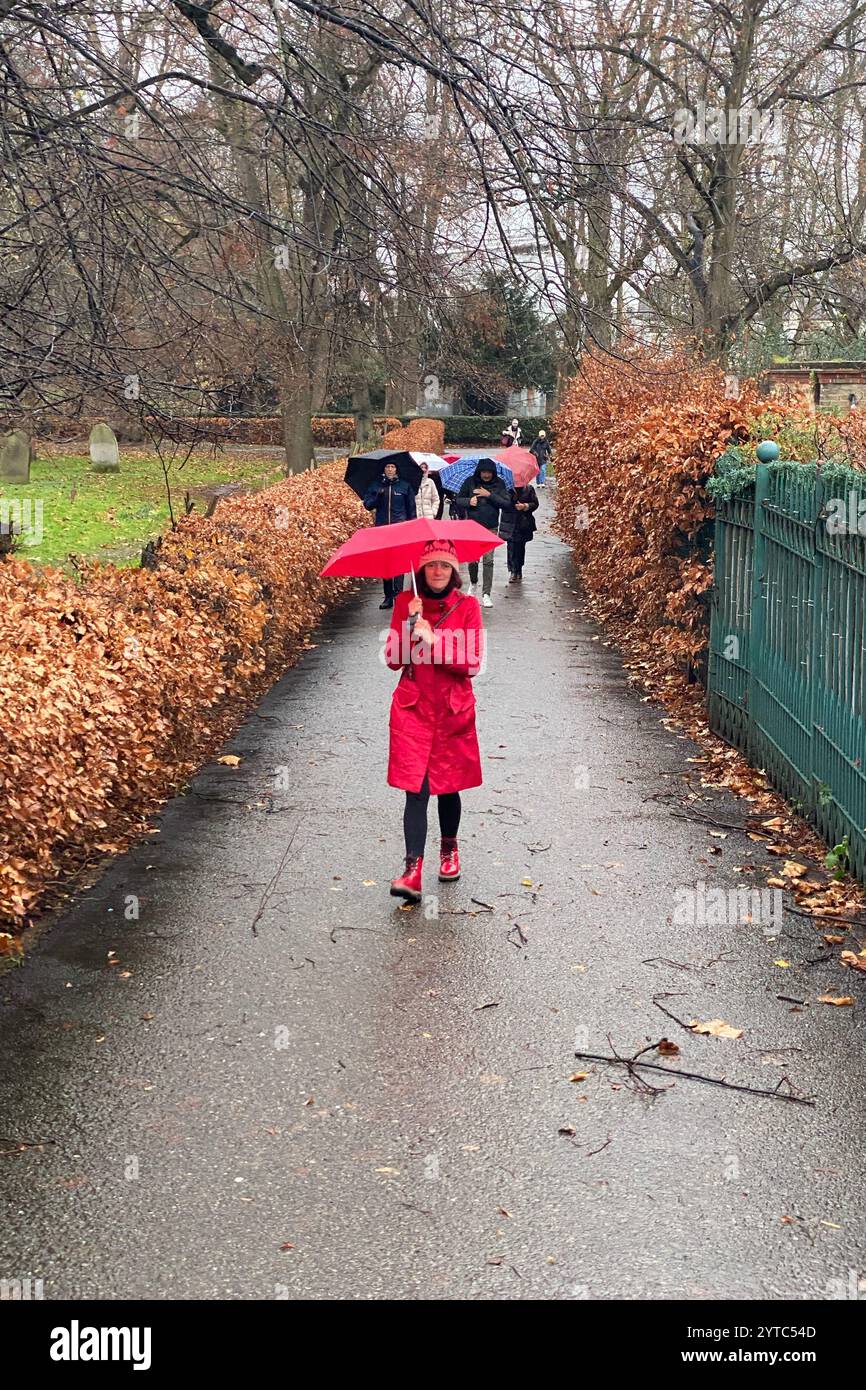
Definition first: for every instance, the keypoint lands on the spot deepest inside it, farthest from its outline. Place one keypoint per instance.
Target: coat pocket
(405, 694)
(461, 698)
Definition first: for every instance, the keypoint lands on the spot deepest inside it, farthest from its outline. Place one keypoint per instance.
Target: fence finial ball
(767, 451)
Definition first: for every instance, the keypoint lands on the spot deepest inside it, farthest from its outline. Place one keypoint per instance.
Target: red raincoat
(433, 705)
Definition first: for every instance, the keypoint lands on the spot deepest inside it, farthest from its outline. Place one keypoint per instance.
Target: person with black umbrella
(392, 500)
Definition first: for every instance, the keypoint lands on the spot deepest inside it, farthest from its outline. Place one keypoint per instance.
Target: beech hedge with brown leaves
(425, 436)
(636, 441)
(116, 688)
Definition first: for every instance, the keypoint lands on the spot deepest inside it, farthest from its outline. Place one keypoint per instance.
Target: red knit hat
(439, 550)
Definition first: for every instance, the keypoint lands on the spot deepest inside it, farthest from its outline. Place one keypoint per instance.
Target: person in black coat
(392, 500)
(517, 527)
(482, 498)
(540, 447)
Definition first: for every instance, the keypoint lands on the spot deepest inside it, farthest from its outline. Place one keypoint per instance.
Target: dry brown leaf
(716, 1028)
(841, 1000)
(793, 869)
(229, 760)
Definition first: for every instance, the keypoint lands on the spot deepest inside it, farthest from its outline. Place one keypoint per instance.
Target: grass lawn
(109, 516)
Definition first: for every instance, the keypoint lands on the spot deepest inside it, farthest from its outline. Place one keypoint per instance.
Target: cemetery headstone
(16, 451)
(104, 454)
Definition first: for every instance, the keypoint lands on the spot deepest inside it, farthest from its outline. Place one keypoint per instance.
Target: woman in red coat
(434, 747)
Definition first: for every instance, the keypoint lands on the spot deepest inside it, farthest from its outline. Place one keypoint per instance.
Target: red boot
(449, 860)
(408, 885)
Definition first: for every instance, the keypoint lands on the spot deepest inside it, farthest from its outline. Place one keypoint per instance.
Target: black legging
(415, 818)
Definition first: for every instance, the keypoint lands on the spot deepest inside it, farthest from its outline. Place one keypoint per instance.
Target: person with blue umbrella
(481, 498)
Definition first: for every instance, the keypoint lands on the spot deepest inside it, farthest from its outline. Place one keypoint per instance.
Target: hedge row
(116, 688)
(328, 430)
(487, 429)
(636, 443)
(426, 436)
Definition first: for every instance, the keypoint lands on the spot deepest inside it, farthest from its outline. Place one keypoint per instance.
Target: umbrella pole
(414, 618)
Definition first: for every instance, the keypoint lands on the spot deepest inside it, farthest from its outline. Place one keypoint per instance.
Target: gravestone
(16, 451)
(103, 450)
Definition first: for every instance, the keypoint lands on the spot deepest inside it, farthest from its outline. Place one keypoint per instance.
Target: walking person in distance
(392, 499)
(482, 498)
(517, 527)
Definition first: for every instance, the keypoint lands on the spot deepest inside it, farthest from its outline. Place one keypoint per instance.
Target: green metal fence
(786, 680)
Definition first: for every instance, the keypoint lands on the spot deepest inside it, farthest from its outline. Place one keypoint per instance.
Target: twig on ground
(592, 1152)
(630, 1063)
(719, 824)
(827, 921)
(274, 880)
(656, 997)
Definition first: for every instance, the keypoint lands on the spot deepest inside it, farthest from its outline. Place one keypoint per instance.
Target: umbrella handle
(414, 618)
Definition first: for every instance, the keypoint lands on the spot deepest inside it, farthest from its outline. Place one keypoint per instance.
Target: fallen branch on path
(687, 1026)
(816, 917)
(630, 1063)
(719, 824)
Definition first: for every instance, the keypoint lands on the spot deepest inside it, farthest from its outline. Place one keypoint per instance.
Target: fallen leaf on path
(229, 760)
(782, 964)
(568, 1130)
(579, 1076)
(716, 1028)
(841, 1001)
(368, 883)
(668, 1048)
(502, 1212)
(792, 869)
(853, 962)
(490, 1004)
(526, 882)
(831, 939)
(287, 1245)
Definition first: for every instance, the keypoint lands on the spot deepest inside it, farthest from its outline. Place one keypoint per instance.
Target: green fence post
(815, 669)
(756, 621)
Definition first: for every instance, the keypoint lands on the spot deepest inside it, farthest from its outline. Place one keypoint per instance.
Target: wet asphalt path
(280, 1057)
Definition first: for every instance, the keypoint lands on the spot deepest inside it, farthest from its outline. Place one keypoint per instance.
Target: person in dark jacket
(517, 527)
(540, 447)
(482, 498)
(392, 500)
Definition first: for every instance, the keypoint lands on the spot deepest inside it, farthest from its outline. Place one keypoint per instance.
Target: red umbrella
(381, 552)
(523, 464)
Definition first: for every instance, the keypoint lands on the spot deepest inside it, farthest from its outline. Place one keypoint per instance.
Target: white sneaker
(487, 601)
(470, 589)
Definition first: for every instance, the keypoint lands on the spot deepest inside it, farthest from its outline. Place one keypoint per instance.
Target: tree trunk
(296, 399)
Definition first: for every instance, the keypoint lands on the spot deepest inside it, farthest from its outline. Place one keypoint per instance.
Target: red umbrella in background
(523, 464)
(381, 552)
